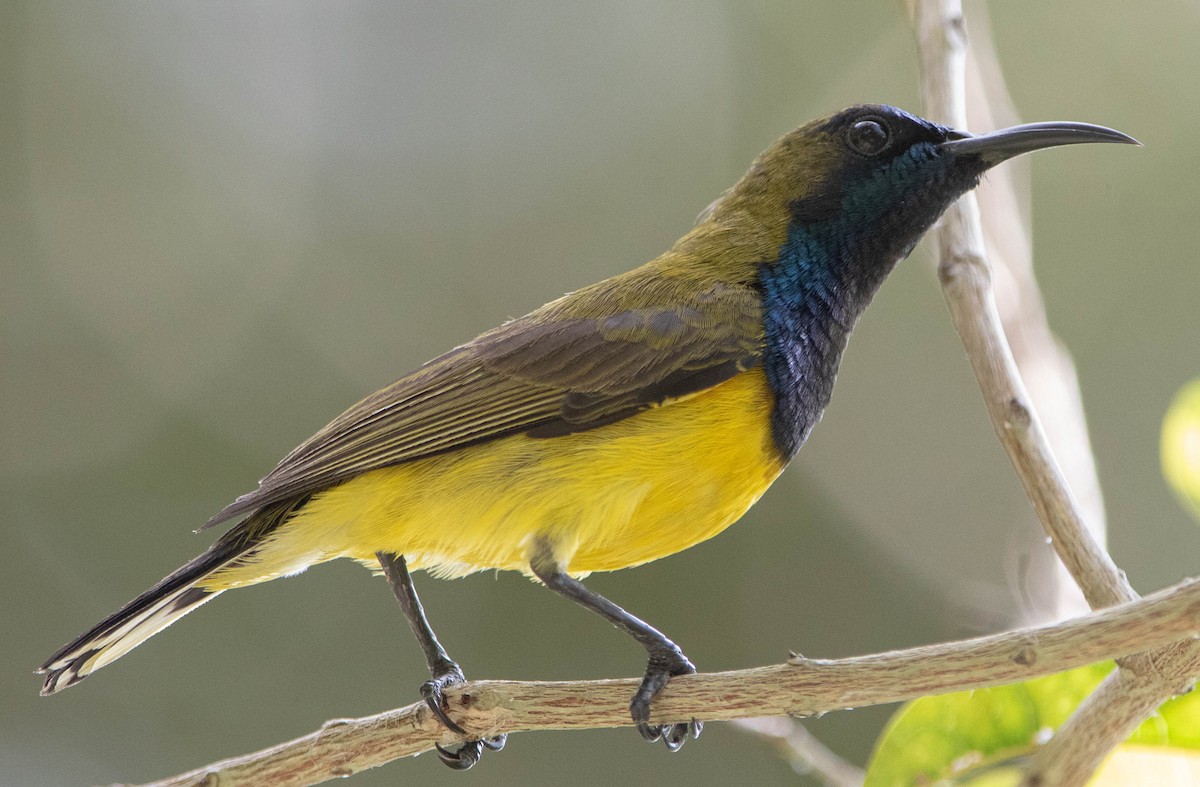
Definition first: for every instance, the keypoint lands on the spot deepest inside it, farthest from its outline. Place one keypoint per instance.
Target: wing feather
(556, 371)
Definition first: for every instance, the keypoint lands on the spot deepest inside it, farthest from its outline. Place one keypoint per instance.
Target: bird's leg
(666, 659)
(444, 671)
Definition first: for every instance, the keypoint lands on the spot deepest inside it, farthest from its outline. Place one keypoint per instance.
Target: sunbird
(623, 422)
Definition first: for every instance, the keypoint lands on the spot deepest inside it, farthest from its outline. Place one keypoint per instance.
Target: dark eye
(868, 137)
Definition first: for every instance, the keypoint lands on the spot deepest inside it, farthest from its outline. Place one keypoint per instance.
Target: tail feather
(101, 646)
(173, 597)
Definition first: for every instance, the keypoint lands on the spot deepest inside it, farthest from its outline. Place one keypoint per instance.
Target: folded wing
(558, 370)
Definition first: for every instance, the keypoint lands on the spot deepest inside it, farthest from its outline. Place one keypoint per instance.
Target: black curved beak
(997, 146)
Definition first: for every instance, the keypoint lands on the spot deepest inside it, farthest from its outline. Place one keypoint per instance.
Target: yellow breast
(608, 498)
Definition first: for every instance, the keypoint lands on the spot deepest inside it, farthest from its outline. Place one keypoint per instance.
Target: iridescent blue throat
(840, 247)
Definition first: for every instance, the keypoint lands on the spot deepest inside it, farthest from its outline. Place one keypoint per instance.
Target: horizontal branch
(801, 687)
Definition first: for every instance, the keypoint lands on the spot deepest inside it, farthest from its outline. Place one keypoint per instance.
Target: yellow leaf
(1149, 766)
(1181, 446)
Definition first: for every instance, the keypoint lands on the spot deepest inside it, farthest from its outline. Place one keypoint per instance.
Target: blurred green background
(225, 222)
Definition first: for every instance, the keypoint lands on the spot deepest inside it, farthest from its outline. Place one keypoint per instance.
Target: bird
(621, 423)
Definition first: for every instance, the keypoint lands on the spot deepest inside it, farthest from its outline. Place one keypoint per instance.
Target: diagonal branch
(800, 687)
(1045, 364)
(1142, 681)
(967, 285)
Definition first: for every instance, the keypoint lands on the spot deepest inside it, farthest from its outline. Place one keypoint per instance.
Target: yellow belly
(607, 498)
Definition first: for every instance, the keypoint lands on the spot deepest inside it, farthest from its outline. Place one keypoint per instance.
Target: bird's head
(824, 215)
(870, 180)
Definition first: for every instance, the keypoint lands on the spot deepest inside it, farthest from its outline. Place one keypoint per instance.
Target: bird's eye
(868, 137)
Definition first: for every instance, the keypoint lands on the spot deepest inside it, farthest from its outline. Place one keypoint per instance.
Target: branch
(967, 285)
(1142, 681)
(801, 687)
(802, 750)
(1044, 362)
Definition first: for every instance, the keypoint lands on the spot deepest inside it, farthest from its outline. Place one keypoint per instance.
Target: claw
(469, 753)
(462, 759)
(432, 692)
(659, 671)
(675, 736)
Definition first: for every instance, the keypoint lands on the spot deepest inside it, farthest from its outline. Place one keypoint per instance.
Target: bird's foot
(469, 753)
(432, 691)
(660, 670)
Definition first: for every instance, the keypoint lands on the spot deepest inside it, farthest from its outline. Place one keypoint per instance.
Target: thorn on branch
(953, 269)
(1019, 417)
(1026, 656)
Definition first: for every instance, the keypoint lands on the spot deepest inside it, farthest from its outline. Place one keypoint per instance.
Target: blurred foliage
(976, 737)
(1181, 446)
(1128, 766)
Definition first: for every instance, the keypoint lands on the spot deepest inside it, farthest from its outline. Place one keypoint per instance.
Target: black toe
(432, 691)
(660, 670)
(469, 753)
(462, 759)
(675, 736)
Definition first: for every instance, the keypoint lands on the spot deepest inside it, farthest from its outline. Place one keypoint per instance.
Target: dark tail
(131, 625)
(176, 595)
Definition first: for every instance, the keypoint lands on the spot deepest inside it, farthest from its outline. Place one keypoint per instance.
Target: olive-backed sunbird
(623, 422)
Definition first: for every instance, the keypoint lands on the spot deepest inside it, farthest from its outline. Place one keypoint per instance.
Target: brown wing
(555, 371)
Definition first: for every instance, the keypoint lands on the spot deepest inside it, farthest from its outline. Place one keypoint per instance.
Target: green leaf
(980, 737)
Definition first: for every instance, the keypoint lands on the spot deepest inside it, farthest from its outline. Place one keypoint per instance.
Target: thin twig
(1044, 362)
(1142, 681)
(801, 687)
(967, 285)
(803, 751)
